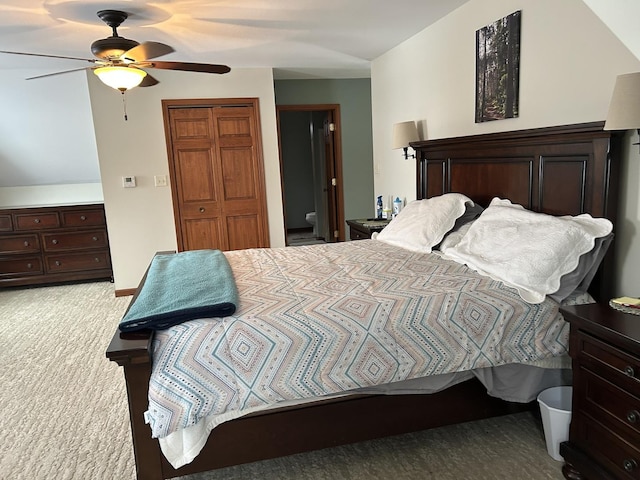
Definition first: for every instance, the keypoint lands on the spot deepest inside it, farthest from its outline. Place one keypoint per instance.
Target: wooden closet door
(217, 175)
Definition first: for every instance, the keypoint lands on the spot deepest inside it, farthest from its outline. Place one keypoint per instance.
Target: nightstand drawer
(604, 436)
(610, 405)
(610, 362)
(363, 228)
(610, 450)
(358, 235)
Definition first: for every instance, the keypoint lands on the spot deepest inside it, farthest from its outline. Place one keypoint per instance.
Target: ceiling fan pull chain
(124, 105)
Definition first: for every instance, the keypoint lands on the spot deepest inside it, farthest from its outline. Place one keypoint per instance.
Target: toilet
(311, 219)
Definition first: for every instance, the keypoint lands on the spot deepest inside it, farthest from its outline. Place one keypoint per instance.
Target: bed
(566, 170)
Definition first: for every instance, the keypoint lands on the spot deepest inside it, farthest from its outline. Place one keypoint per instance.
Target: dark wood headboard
(565, 170)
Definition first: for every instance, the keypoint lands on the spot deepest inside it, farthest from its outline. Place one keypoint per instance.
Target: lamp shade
(120, 78)
(403, 133)
(624, 109)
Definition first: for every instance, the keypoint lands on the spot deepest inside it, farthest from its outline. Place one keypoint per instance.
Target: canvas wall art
(498, 69)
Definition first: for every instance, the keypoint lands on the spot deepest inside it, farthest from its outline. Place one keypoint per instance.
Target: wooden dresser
(604, 437)
(53, 244)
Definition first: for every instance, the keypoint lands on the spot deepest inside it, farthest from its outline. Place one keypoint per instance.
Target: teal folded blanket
(180, 287)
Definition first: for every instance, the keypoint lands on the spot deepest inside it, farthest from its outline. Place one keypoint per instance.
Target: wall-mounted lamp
(403, 134)
(624, 109)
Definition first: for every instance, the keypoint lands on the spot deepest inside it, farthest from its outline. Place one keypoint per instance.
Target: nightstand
(604, 437)
(364, 227)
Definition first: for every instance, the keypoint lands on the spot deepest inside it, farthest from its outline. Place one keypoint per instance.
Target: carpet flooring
(64, 414)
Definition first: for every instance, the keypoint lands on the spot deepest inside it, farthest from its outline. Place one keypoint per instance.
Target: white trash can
(555, 409)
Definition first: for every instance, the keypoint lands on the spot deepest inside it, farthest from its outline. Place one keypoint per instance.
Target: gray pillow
(470, 214)
(580, 278)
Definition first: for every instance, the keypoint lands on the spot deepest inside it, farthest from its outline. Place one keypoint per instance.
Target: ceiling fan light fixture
(120, 78)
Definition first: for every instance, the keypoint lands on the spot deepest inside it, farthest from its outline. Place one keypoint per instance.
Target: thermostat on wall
(128, 182)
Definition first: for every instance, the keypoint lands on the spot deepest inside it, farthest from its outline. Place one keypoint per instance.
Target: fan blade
(51, 56)
(57, 73)
(148, 81)
(190, 67)
(145, 51)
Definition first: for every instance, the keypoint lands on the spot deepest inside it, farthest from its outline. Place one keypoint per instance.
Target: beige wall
(569, 62)
(140, 220)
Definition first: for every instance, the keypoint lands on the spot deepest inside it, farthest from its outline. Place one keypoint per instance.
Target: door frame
(333, 165)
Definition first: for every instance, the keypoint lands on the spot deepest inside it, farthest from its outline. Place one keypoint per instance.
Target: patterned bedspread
(316, 320)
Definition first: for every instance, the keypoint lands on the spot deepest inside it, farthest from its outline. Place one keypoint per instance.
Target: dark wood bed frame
(569, 169)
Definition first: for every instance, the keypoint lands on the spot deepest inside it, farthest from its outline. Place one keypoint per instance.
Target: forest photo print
(498, 69)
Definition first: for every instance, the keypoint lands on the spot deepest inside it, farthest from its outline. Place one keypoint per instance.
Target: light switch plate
(160, 180)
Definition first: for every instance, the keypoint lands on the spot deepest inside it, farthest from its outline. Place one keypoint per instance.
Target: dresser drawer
(6, 225)
(19, 244)
(83, 218)
(73, 262)
(610, 405)
(610, 362)
(56, 242)
(22, 265)
(609, 449)
(37, 221)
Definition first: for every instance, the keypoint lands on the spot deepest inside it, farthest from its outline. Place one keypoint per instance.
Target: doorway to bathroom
(311, 173)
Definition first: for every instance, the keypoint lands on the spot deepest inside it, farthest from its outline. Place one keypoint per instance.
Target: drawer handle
(630, 465)
(83, 218)
(29, 265)
(628, 370)
(54, 241)
(97, 260)
(26, 244)
(95, 239)
(36, 220)
(201, 209)
(633, 416)
(58, 263)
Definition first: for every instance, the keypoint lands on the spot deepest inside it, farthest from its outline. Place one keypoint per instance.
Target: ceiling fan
(120, 62)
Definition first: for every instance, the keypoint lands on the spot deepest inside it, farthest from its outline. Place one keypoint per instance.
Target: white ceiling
(299, 38)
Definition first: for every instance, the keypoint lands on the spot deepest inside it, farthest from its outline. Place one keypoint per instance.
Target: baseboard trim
(125, 292)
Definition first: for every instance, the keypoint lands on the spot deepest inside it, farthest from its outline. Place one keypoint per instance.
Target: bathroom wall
(297, 168)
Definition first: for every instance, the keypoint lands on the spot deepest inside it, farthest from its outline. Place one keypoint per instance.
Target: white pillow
(526, 250)
(423, 224)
